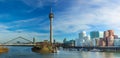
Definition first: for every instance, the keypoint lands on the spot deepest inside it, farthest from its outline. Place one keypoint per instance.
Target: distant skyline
(29, 18)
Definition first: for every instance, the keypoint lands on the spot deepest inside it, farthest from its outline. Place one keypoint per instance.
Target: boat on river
(95, 50)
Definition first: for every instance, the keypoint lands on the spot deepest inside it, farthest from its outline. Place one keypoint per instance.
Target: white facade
(87, 38)
(83, 40)
(87, 41)
(82, 34)
(79, 42)
(95, 41)
(101, 34)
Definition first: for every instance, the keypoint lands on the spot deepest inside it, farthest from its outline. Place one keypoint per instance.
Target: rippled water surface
(25, 52)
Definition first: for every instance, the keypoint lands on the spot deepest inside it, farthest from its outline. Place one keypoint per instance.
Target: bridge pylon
(34, 40)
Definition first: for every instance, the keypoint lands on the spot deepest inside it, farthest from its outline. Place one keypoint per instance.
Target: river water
(25, 52)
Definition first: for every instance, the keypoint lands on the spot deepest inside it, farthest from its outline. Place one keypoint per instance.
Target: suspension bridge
(29, 42)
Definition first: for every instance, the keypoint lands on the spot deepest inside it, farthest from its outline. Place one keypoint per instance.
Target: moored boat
(95, 50)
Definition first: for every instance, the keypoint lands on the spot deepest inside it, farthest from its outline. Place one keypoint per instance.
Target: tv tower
(51, 16)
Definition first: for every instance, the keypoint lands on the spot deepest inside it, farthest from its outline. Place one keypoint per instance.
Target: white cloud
(37, 21)
(33, 3)
(26, 21)
(6, 34)
(101, 14)
(3, 26)
(83, 13)
(39, 3)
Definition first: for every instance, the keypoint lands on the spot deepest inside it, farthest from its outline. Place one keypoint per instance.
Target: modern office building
(87, 41)
(99, 42)
(83, 39)
(69, 43)
(96, 34)
(110, 40)
(106, 34)
(79, 42)
(109, 37)
(117, 42)
(95, 42)
(111, 32)
(82, 35)
(102, 42)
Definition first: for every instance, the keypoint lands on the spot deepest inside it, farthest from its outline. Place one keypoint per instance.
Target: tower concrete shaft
(51, 31)
(51, 16)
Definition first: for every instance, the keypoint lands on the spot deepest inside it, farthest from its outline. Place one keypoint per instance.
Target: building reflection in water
(107, 55)
(97, 55)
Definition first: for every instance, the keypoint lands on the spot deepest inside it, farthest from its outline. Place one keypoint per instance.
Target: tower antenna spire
(50, 9)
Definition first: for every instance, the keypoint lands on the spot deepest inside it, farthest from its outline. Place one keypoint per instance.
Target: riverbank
(3, 49)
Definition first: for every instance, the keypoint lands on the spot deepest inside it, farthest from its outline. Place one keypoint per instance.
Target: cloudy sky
(29, 18)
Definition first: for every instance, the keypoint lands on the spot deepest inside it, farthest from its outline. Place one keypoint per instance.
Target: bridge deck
(17, 44)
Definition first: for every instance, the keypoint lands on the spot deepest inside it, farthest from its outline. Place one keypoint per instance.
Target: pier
(109, 48)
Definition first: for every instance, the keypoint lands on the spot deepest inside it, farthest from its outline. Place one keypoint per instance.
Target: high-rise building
(106, 34)
(110, 40)
(109, 37)
(102, 42)
(111, 32)
(96, 34)
(82, 35)
(79, 42)
(83, 39)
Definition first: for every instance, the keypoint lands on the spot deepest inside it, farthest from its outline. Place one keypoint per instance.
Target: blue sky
(29, 18)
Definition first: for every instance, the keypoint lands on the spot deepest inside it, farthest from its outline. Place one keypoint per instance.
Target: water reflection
(97, 55)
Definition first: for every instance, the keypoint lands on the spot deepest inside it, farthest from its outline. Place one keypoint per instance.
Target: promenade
(110, 48)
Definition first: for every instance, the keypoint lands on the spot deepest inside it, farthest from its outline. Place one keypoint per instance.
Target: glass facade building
(96, 34)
